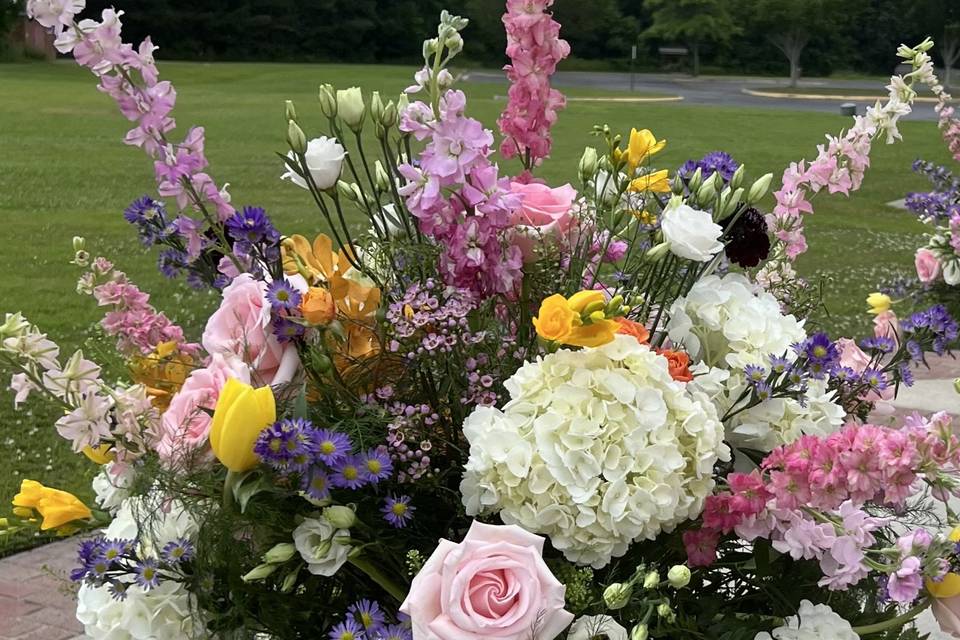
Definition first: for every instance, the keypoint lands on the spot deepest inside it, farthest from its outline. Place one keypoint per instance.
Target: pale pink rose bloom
(185, 425)
(928, 266)
(241, 328)
(947, 613)
(854, 357)
(544, 214)
(886, 325)
(494, 584)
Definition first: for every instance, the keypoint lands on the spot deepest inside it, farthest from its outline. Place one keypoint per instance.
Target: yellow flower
(162, 372)
(242, 413)
(555, 320)
(560, 320)
(879, 303)
(101, 455)
(949, 587)
(55, 507)
(318, 306)
(642, 145)
(658, 182)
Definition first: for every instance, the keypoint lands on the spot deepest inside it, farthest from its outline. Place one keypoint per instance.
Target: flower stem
(892, 623)
(377, 576)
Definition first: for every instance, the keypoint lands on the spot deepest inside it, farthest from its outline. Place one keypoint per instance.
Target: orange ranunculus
(555, 320)
(55, 507)
(635, 329)
(679, 364)
(318, 306)
(658, 182)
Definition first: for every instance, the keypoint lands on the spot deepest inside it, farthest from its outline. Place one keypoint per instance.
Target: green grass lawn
(64, 171)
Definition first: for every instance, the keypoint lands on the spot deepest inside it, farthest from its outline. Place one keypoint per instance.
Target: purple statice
(150, 219)
(714, 162)
(933, 329)
(755, 373)
(347, 630)
(177, 551)
(368, 615)
(147, 574)
(288, 446)
(376, 465)
(286, 329)
(332, 446)
(315, 483)
(251, 225)
(283, 296)
(349, 473)
(943, 201)
(398, 511)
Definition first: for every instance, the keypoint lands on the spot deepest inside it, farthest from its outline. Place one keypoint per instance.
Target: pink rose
(928, 266)
(241, 328)
(494, 584)
(544, 213)
(854, 357)
(185, 425)
(886, 325)
(947, 613)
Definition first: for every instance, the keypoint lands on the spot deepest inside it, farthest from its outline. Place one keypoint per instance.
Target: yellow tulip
(949, 587)
(642, 145)
(242, 413)
(55, 507)
(101, 455)
(879, 303)
(658, 182)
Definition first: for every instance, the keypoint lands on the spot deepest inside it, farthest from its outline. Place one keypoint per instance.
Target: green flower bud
(706, 192)
(376, 107)
(350, 107)
(280, 553)
(328, 101)
(389, 118)
(588, 164)
(696, 180)
(260, 572)
(678, 576)
(658, 252)
(737, 178)
(639, 632)
(290, 581)
(402, 103)
(340, 517)
(79, 243)
(617, 595)
(381, 178)
(345, 189)
(759, 189)
(651, 580)
(295, 137)
(665, 612)
(956, 385)
(290, 112)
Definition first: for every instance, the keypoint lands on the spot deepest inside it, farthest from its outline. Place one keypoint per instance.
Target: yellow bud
(242, 413)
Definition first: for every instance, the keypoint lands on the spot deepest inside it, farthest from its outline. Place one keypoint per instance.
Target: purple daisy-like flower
(282, 295)
(147, 574)
(347, 630)
(368, 615)
(315, 483)
(844, 374)
(376, 465)
(874, 379)
(113, 550)
(118, 590)
(398, 511)
(177, 551)
(349, 473)
(396, 632)
(779, 364)
(883, 344)
(906, 375)
(249, 225)
(755, 373)
(288, 445)
(286, 330)
(763, 391)
(332, 446)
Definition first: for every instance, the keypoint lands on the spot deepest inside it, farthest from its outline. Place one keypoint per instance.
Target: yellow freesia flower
(949, 587)
(162, 372)
(879, 303)
(658, 182)
(561, 320)
(242, 413)
(101, 455)
(55, 507)
(555, 320)
(642, 145)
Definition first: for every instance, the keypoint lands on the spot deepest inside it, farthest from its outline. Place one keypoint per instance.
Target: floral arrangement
(478, 405)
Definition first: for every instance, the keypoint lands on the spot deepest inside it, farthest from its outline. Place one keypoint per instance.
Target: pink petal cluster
(459, 199)
(534, 47)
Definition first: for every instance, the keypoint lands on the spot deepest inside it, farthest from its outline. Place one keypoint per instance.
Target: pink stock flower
(905, 583)
(701, 546)
(928, 266)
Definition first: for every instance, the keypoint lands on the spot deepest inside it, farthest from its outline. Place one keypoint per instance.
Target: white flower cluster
(812, 622)
(112, 485)
(728, 325)
(161, 613)
(596, 449)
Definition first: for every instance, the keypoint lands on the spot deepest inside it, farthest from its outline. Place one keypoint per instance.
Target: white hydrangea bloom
(812, 622)
(112, 485)
(596, 449)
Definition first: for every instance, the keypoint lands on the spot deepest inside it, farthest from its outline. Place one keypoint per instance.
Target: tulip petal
(228, 394)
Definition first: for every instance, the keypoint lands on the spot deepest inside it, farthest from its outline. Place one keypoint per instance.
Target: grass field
(65, 172)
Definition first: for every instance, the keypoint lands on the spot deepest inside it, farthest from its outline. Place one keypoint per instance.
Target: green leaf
(249, 485)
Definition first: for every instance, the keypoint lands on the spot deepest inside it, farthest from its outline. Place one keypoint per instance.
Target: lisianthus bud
(290, 112)
(759, 189)
(280, 553)
(696, 180)
(345, 189)
(260, 572)
(617, 595)
(956, 385)
(79, 243)
(588, 164)
(656, 253)
(389, 118)
(376, 107)
(665, 612)
(382, 180)
(639, 632)
(295, 137)
(706, 193)
(403, 102)
(328, 101)
(651, 580)
(350, 107)
(678, 576)
(340, 517)
(737, 179)
(290, 581)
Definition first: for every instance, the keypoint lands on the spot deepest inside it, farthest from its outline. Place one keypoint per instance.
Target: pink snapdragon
(534, 47)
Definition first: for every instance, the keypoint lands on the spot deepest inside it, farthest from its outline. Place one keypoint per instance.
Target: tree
(950, 50)
(695, 22)
(940, 19)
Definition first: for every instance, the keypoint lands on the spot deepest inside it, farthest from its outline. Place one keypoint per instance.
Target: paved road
(716, 90)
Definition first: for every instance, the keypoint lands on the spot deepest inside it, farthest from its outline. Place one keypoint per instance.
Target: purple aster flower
(147, 574)
(142, 209)
(315, 483)
(883, 344)
(286, 330)
(118, 590)
(250, 225)
(282, 295)
(376, 465)
(368, 615)
(755, 373)
(906, 375)
(113, 550)
(874, 379)
(347, 630)
(844, 374)
(763, 391)
(398, 511)
(818, 348)
(349, 473)
(171, 262)
(779, 364)
(332, 446)
(714, 162)
(177, 551)
(396, 632)
(288, 445)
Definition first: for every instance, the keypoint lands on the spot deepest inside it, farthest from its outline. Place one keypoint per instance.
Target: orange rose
(317, 306)
(635, 329)
(679, 363)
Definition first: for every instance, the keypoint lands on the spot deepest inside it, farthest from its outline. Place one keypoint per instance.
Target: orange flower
(635, 329)
(679, 364)
(318, 306)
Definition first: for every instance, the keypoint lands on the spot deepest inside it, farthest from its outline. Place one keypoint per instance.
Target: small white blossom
(813, 622)
(321, 546)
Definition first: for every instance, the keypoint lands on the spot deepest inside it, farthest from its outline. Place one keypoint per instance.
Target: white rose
(324, 158)
(350, 107)
(692, 234)
(590, 627)
(321, 546)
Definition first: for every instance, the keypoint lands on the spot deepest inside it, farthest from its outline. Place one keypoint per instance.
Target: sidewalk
(36, 595)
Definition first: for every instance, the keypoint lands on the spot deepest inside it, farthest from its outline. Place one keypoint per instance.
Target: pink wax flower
(240, 328)
(494, 584)
(928, 266)
(544, 214)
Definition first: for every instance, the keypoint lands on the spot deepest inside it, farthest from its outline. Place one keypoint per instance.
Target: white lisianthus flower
(596, 449)
(812, 622)
(951, 272)
(324, 158)
(591, 627)
(112, 485)
(692, 233)
(321, 546)
(350, 107)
